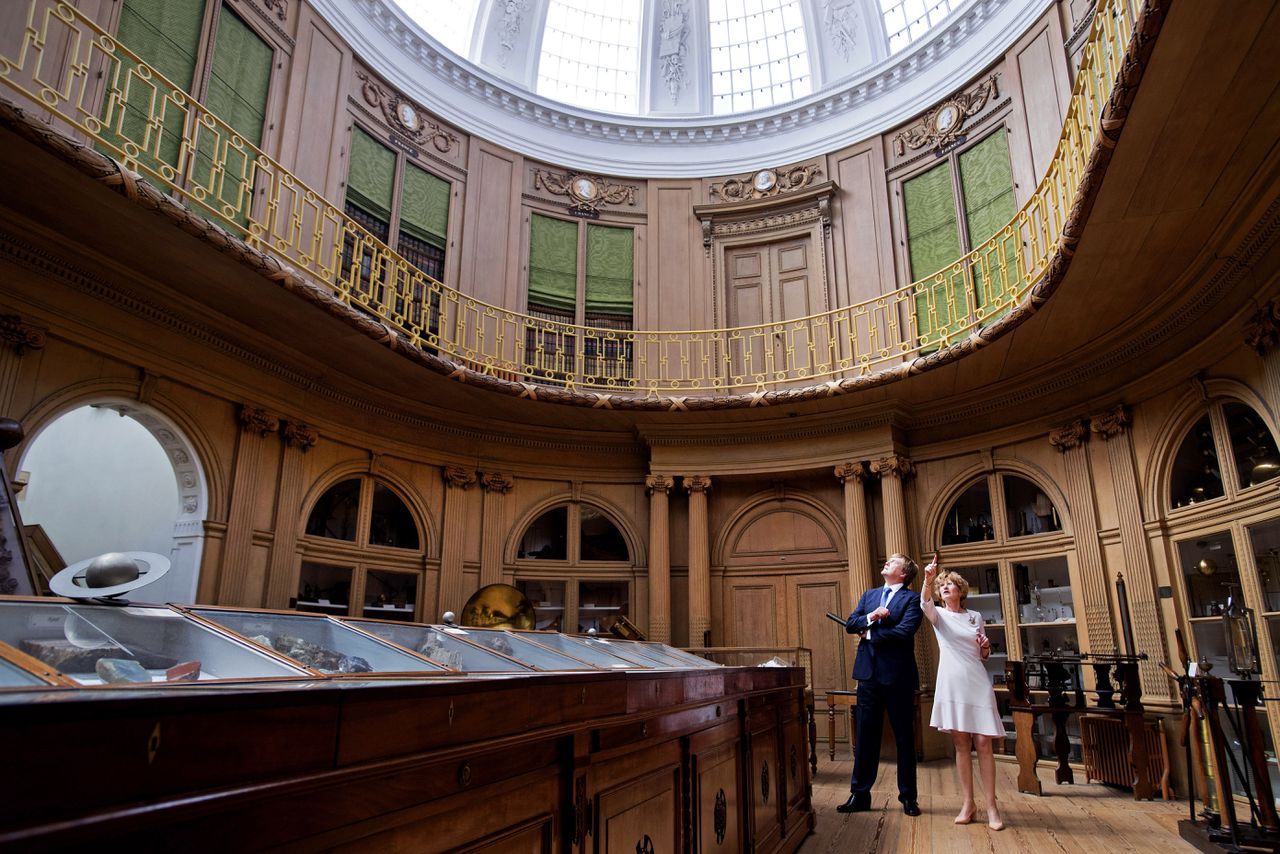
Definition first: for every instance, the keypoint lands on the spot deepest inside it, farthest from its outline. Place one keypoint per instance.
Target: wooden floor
(1078, 818)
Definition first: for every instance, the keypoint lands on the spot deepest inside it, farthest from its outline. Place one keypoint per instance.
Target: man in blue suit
(887, 618)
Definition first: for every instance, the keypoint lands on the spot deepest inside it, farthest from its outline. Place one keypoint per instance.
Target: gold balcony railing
(83, 82)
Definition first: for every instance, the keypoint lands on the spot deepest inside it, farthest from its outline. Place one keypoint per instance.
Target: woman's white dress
(963, 700)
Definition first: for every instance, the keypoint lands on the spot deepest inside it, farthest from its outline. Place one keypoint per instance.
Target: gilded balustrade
(86, 84)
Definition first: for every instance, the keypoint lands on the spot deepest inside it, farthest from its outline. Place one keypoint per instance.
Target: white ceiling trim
(481, 103)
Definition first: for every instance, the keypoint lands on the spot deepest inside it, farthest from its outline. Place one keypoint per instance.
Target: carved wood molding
(19, 336)
(405, 117)
(765, 183)
(299, 435)
(1263, 331)
(496, 481)
(457, 477)
(254, 419)
(855, 471)
(280, 7)
(940, 127)
(697, 483)
(658, 483)
(894, 465)
(585, 192)
(1111, 423)
(1068, 436)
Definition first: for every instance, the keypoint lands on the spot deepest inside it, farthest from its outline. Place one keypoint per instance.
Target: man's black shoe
(911, 808)
(856, 803)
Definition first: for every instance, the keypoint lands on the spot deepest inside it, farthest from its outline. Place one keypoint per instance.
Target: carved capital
(855, 471)
(697, 483)
(1068, 436)
(18, 336)
(299, 435)
(456, 477)
(496, 481)
(256, 420)
(1111, 423)
(894, 465)
(1263, 331)
(658, 483)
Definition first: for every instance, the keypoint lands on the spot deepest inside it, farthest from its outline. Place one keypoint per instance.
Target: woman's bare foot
(993, 819)
(966, 814)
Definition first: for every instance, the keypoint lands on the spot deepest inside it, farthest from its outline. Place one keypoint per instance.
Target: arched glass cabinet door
(969, 519)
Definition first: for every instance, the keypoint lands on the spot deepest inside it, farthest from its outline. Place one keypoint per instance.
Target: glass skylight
(451, 22)
(758, 54)
(907, 20)
(591, 54)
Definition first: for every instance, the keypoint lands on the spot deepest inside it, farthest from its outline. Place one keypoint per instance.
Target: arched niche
(117, 475)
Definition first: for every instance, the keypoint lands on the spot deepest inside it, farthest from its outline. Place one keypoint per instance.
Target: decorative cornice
(495, 481)
(1263, 330)
(585, 192)
(673, 50)
(457, 477)
(858, 472)
(19, 336)
(1111, 423)
(1069, 436)
(743, 188)
(425, 132)
(298, 435)
(697, 483)
(658, 483)
(941, 126)
(484, 102)
(894, 465)
(254, 419)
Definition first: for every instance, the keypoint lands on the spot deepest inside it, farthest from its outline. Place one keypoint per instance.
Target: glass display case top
(689, 659)
(576, 647)
(633, 652)
(319, 643)
(507, 643)
(450, 650)
(13, 676)
(111, 644)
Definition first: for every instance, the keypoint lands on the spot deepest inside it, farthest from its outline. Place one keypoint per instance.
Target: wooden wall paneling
(675, 262)
(312, 124)
(716, 772)
(1040, 74)
(753, 613)
(812, 596)
(492, 234)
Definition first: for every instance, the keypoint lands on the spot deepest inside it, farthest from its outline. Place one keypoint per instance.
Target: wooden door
(753, 607)
(766, 283)
(811, 597)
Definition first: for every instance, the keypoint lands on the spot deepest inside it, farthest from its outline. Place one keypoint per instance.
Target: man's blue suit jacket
(889, 657)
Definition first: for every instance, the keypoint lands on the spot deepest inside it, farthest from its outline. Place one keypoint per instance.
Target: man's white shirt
(884, 603)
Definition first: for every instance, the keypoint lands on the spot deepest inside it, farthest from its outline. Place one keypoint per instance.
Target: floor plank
(1067, 819)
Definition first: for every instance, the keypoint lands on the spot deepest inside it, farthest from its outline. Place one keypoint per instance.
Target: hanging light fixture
(1207, 566)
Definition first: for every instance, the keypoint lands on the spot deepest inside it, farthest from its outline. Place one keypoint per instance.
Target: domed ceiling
(732, 83)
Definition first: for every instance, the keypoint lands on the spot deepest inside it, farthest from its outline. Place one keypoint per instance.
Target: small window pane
(969, 520)
(324, 589)
(1209, 569)
(600, 538)
(548, 602)
(601, 603)
(1027, 509)
(334, 515)
(1257, 460)
(390, 595)
(548, 537)
(391, 523)
(1265, 541)
(1196, 475)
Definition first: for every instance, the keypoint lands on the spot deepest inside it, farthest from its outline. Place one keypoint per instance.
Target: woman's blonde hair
(955, 578)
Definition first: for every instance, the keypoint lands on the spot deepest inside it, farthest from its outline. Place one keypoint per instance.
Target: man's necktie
(884, 598)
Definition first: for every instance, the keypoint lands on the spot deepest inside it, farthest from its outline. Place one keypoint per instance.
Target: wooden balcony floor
(1077, 818)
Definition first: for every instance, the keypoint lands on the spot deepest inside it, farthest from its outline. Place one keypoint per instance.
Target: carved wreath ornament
(404, 117)
(766, 182)
(941, 126)
(586, 193)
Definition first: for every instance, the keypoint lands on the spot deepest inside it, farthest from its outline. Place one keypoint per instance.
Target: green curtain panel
(933, 242)
(166, 34)
(237, 94)
(371, 175)
(610, 270)
(424, 206)
(987, 182)
(553, 263)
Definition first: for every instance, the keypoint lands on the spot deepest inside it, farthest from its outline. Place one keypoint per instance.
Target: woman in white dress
(964, 703)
